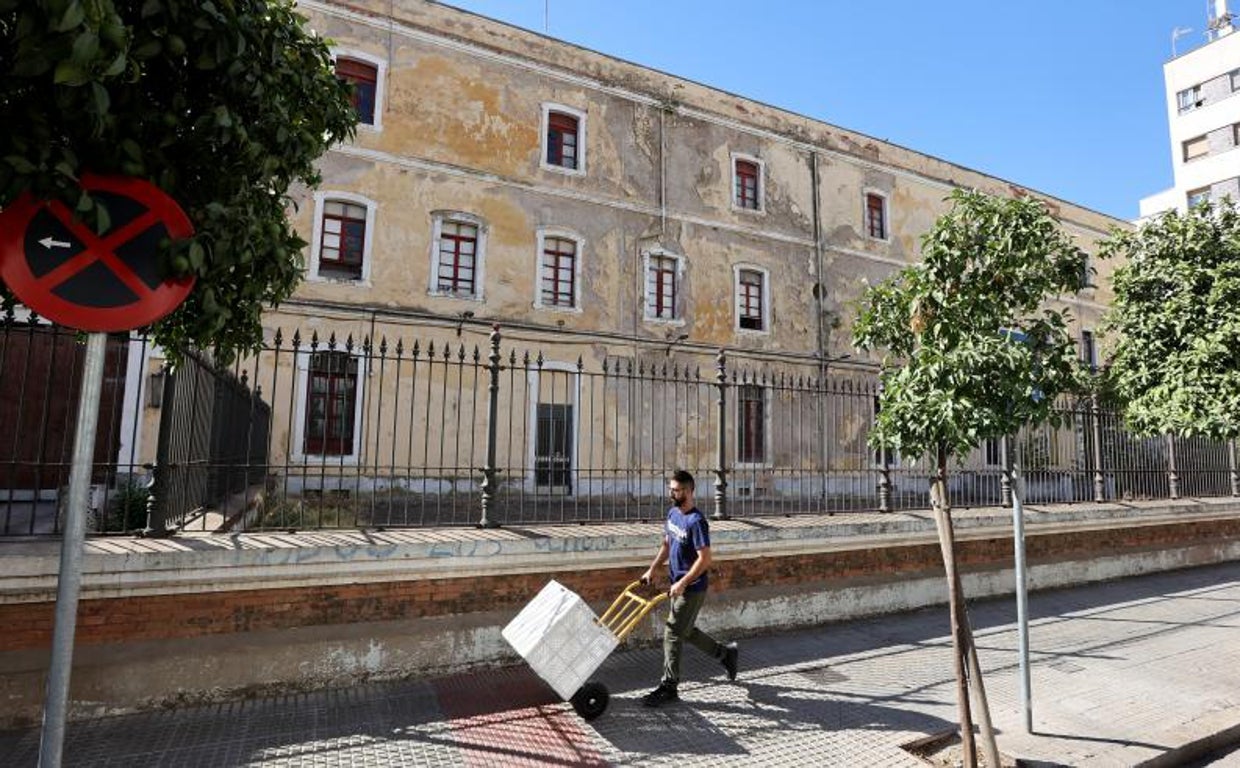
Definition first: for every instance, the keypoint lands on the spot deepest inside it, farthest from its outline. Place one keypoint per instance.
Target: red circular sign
(63, 270)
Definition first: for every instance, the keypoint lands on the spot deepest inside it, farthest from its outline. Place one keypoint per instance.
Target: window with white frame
(558, 266)
(563, 139)
(330, 404)
(876, 215)
(457, 256)
(1189, 99)
(662, 286)
(343, 231)
(747, 183)
(751, 299)
(364, 74)
(751, 424)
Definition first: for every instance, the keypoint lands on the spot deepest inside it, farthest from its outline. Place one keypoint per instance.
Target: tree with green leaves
(221, 104)
(972, 351)
(1175, 365)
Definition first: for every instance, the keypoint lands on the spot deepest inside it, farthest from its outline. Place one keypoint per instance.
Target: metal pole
(1231, 461)
(161, 486)
(1022, 587)
(489, 471)
(721, 471)
(55, 705)
(1096, 425)
(1173, 476)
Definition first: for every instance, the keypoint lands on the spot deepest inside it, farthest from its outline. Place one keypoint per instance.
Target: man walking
(686, 550)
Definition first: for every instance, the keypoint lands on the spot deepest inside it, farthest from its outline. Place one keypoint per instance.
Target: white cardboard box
(560, 638)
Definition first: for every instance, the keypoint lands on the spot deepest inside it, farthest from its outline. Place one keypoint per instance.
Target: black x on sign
(62, 269)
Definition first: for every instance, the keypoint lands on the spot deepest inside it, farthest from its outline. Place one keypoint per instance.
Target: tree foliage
(223, 104)
(1176, 320)
(971, 350)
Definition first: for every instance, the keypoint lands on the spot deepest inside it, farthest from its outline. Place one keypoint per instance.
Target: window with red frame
(661, 287)
(876, 216)
(342, 240)
(559, 268)
(363, 78)
(751, 431)
(749, 299)
(562, 140)
(458, 258)
(747, 184)
(330, 404)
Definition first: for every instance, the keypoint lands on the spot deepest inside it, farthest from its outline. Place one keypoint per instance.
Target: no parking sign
(109, 281)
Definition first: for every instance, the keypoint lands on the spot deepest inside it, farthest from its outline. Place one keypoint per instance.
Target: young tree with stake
(972, 351)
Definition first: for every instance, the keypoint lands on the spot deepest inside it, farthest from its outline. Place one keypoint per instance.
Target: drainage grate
(823, 675)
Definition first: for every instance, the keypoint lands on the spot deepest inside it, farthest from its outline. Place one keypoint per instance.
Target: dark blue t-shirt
(686, 533)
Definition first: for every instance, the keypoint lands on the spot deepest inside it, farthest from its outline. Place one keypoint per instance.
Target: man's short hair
(684, 478)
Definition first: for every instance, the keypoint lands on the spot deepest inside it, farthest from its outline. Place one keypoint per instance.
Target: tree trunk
(962, 632)
(942, 519)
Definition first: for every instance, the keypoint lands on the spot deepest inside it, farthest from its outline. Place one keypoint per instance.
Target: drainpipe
(820, 283)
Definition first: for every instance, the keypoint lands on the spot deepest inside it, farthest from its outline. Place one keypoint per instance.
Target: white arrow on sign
(48, 242)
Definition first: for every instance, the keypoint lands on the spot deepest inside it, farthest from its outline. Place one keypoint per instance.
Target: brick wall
(188, 615)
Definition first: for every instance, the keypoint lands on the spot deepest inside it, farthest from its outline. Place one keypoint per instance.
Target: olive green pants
(681, 620)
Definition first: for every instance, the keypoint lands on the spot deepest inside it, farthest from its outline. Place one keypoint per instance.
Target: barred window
(751, 424)
(330, 404)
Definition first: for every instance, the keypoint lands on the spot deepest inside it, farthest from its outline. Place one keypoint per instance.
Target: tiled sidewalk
(1124, 673)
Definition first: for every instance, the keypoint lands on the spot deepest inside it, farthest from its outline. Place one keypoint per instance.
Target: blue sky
(1063, 97)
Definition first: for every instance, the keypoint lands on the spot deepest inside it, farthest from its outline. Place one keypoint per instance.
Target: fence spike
(447, 351)
(629, 366)
(430, 351)
(279, 338)
(525, 359)
(512, 357)
(314, 340)
(477, 355)
(348, 343)
(539, 361)
(641, 367)
(664, 373)
(580, 364)
(604, 365)
(417, 349)
(460, 354)
(400, 347)
(245, 378)
(383, 346)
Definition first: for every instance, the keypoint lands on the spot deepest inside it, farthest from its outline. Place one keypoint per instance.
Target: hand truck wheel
(591, 700)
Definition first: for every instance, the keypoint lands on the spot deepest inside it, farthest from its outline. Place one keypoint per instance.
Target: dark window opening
(331, 400)
(363, 78)
(562, 140)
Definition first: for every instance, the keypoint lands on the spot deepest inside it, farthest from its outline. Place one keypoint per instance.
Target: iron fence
(439, 432)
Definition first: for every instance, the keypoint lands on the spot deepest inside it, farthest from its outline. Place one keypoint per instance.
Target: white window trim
(299, 455)
(321, 197)
(766, 428)
(535, 383)
(761, 209)
(736, 300)
(865, 214)
(579, 243)
(678, 307)
(547, 109)
(380, 66)
(480, 248)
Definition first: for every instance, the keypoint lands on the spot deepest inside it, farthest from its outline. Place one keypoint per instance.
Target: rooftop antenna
(546, 15)
(1220, 20)
(1176, 34)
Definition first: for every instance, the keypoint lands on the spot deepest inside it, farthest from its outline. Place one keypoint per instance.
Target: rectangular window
(1198, 196)
(330, 403)
(749, 300)
(876, 216)
(994, 451)
(559, 268)
(343, 240)
(562, 140)
(458, 258)
(362, 77)
(661, 287)
(1235, 80)
(1088, 351)
(751, 424)
(1189, 99)
(1196, 147)
(746, 193)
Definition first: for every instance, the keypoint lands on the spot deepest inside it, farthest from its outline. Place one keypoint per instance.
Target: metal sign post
(55, 705)
(1022, 589)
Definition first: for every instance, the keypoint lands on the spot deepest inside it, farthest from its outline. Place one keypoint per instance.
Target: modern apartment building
(1203, 109)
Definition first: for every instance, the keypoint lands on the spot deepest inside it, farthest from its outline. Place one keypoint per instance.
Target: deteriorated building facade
(615, 222)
